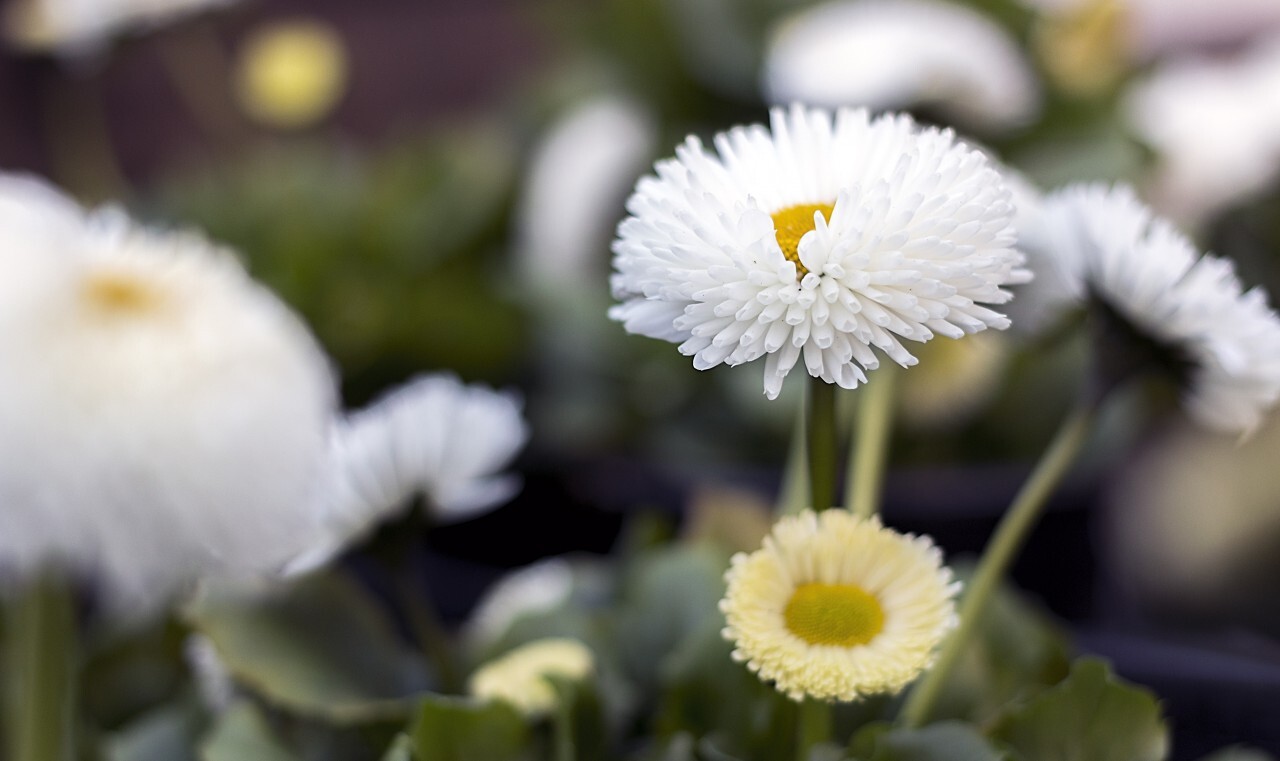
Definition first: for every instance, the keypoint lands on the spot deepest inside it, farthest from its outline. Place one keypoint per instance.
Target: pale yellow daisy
(834, 607)
(522, 676)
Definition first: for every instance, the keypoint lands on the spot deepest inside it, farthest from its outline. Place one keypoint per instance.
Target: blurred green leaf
(319, 648)
(944, 741)
(242, 734)
(459, 729)
(1090, 716)
(1017, 653)
(586, 716)
(166, 734)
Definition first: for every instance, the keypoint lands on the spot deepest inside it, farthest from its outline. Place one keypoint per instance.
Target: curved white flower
(1215, 127)
(815, 243)
(520, 677)
(890, 55)
(577, 180)
(1193, 306)
(834, 607)
(76, 26)
(536, 588)
(163, 418)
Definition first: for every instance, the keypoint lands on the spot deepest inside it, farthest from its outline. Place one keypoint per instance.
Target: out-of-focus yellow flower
(1083, 48)
(520, 677)
(291, 74)
(953, 380)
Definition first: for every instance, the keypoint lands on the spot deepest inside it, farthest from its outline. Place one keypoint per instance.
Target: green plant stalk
(820, 430)
(813, 727)
(1002, 549)
(562, 726)
(870, 451)
(41, 654)
(793, 496)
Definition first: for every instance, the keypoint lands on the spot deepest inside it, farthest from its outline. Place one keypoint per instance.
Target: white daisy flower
(79, 26)
(891, 55)
(834, 607)
(520, 677)
(1214, 124)
(1146, 275)
(163, 418)
(433, 437)
(815, 243)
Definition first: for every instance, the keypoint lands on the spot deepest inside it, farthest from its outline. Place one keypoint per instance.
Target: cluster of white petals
(76, 26)
(164, 417)
(1214, 124)
(1108, 245)
(435, 437)
(891, 55)
(918, 242)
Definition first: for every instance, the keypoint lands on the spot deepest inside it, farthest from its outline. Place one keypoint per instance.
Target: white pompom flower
(164, 417)
(815, 242)
(1189, 311)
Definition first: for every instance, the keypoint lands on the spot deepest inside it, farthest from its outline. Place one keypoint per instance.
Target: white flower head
(889, 55)
(814, 243)
(79, 26)
(434, 437)
(1214, 124)
(164, 417)
(536, 588)
(1141, 269)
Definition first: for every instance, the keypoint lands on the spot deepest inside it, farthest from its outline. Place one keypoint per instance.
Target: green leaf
(1090, 716)
(320, 648)
(459, 729)
(165, 734)
(242, 734)
(1017, 653)
(581, 701)
(944, 741)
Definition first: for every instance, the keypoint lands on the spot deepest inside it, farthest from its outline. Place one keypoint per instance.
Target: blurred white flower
(822, 239)
(433, 437)
(78, 26)
(894, 55)
(1215, 127)
(521, 678)
(540, 587)
(572, 198)
(1149, 276)
(214, 683)
(164, 417)
(1150, 28)
(1040, 304)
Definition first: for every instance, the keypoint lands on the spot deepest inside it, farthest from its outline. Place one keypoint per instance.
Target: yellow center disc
(834, 614)
(118, 293)
(791, 224)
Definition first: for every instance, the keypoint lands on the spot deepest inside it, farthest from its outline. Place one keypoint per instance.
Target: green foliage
(319, 648)
(168, 733)
(1090, 716)
(944, 741)
(457, 729)
(242, 734)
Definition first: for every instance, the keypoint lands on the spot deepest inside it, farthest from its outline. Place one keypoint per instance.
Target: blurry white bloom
(520, 677)
(213, 680)
(573, 194)
(164, 417)
(1151, 28)
(816, 242)
(76, 26)
(1192, 307)
(892, 55)
(834, 607)
(433, 437)
(1215, 126)
(540, 587)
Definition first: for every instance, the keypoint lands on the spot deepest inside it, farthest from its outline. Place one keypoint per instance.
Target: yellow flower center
(791, 224)
(834, 614)
(118, 293)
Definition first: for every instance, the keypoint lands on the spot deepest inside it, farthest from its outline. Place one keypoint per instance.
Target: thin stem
(562, 726)
(1001, 550)
(870, 449)
(793, 496)
(822, 443)
(42, 655)
(813, 727)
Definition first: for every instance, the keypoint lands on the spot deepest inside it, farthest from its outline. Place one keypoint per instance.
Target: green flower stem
(42, 658)
(1003, 547)
(822, 443)
(562, 726)
(793, 496)
(813, 727)
(870, 449)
